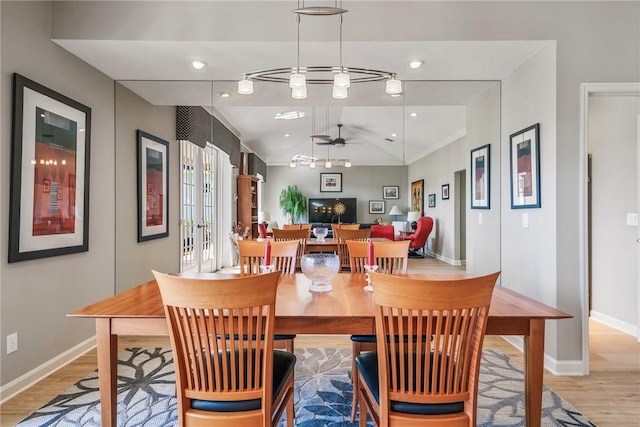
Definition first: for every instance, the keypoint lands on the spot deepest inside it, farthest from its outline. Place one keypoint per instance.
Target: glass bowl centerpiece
(320, 233)
(320, 268)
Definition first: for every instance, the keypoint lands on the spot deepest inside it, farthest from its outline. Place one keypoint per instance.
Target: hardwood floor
(609, 396)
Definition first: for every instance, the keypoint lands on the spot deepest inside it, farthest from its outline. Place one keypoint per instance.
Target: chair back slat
(283, 256)
(335, 227)
(453, 313)
(221, 335)
(344, 234)
(297, 227)
(390, 257)
(295, 234)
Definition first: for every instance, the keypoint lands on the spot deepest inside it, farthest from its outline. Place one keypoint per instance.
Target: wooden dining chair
(283, 258)
(409, 381)
(240, 380)
(294, 234)
(344, 234)
(335, 227)
(391, 258)
(297, 227)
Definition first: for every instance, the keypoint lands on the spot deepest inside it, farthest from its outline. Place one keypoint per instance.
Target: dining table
(346, 309)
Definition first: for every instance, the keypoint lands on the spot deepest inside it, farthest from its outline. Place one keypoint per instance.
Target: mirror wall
(425, 134)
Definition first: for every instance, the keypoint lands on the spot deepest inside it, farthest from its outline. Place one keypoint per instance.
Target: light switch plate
(525, 220)
(632, 219)
(479, 217)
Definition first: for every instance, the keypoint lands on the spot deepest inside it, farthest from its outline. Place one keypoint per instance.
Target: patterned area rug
(322, 393)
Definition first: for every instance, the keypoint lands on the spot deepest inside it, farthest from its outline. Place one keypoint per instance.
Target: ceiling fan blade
(325, 143)
(321, 136)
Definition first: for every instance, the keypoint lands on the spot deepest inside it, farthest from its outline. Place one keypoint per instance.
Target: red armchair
(386, 231)
(419, 237)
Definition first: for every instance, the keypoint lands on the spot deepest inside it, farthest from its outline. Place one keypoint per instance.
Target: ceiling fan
(338, 142)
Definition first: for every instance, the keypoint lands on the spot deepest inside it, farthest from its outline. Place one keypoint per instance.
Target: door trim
(587, 90)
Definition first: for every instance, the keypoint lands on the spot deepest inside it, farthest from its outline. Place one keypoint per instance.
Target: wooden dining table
(346, 309)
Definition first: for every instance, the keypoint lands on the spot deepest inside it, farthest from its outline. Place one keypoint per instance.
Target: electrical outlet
(525, 220)
(12, 343)
(632, 219)
(479, 217)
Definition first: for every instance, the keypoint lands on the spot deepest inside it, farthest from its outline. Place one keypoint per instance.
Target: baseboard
(440, 257)
(27, 380)
(616, 324)
(572, 368)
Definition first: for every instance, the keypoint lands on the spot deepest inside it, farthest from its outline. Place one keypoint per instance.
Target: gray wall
(363, 183)
(613, 146)
(36, 295)
(134, 261)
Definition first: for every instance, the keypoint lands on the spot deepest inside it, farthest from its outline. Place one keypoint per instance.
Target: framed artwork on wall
(153, 187)
(391, 192)
(331, 182)
(445, 192)
(376, 207)
(524, 148)
(417, 196)
(480, 177)
(50, 146)
(432, 200)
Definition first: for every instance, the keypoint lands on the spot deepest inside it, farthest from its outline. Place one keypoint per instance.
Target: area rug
(323, 392)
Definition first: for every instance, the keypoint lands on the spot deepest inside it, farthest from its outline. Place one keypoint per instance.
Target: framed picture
(525, 168)
(417, 196)
(376, 207)
(51, 136)
(432, 200)
(480, 172)
(391, 192)
(153, 187)
(331, 182)
(445, 192)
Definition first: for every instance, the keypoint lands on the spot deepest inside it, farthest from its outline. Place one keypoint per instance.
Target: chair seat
(363, 338)
(368, 367)
(283, 364)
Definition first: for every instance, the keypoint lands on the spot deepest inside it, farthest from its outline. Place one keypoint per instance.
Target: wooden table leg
(107, 371)
(534, 372)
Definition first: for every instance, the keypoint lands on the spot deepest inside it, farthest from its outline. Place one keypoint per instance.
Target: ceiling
(378, 129)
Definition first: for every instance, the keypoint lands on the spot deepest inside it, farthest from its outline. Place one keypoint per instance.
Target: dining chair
(283, 258)
(344, 234)
(239, 380)
(294, 234)
(297, 227)
(335, 227)
(391, 258)
(409, 381)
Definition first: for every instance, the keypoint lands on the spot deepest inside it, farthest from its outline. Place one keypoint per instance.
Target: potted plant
(293, 203)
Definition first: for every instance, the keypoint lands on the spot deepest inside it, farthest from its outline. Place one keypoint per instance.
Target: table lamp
(264, 216)
(395, 211)
(412, 218)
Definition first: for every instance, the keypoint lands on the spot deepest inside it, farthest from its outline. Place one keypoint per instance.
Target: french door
(198, 213)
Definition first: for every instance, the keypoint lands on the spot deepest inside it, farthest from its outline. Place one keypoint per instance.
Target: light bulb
(299, 92)
(292, 164)
(339, 92)
(347, 164)
(342, 80)
(327, 164)
(393, 86)
(245, 87)
(312, 164)
(297, 80)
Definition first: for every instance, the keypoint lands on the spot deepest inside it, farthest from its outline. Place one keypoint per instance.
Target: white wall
(529, 254)
(36, 295)
(135, 260)
(613, 147)
(363, 183)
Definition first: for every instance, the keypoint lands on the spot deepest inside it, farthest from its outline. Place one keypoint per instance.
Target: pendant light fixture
(340, 77)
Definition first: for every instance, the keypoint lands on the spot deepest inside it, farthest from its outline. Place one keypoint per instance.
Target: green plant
(293, 203)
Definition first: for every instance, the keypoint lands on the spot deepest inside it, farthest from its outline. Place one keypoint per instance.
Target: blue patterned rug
(323, 391)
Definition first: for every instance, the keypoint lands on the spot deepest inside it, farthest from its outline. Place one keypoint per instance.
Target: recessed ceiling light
(289, 115)
(394, 135)
(414, 114)
(199, 65)
(286, 135)
(395, 95)
(416, 64)
(224, 94)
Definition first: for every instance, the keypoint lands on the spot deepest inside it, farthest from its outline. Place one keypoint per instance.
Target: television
(332, 211)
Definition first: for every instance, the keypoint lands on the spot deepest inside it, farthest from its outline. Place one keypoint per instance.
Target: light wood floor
(609, 396)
